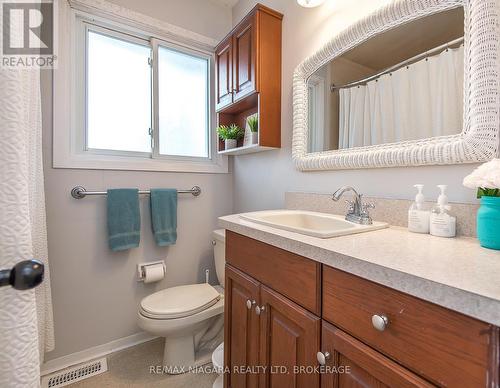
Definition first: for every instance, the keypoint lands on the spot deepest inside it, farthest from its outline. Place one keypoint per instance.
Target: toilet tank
(219, 243)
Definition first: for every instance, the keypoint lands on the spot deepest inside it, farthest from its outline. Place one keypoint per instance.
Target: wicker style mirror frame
(478, 140)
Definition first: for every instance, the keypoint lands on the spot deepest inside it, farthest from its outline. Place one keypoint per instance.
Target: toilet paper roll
(153, 273)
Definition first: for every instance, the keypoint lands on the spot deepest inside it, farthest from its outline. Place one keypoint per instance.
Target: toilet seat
(179, 302)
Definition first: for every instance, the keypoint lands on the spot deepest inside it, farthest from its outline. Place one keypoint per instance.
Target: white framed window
(137, 101)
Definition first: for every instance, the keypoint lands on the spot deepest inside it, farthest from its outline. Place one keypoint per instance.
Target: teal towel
(164, 216)
(124, 219)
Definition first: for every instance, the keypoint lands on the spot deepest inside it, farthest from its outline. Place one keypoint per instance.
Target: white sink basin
(310, 223)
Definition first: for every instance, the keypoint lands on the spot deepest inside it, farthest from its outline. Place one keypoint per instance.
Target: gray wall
(95, 293)
(261, 179)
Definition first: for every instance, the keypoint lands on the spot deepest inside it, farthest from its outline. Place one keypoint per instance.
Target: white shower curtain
(422, 100)
(26, 323)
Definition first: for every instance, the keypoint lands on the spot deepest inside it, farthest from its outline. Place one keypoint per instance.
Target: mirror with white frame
(391, 90)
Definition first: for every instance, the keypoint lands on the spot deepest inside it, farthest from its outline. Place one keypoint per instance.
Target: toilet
(189, 317)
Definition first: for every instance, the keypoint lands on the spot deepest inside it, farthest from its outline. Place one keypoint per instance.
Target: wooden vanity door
(289, 337)
(224, 70)
(352, 364)
(244, 57)
(241, 325)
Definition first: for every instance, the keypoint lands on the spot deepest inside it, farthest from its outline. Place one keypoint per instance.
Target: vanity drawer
(443, 346)
(293, 276)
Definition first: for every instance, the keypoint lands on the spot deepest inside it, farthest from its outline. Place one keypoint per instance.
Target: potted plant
(253, 124)
(230, 134)
(486, 179)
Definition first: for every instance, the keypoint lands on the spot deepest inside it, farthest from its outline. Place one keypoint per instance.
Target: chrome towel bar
(79, 192)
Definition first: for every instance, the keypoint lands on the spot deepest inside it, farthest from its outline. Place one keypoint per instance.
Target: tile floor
(130, 368)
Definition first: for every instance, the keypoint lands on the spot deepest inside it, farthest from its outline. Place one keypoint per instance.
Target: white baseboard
(95, 352)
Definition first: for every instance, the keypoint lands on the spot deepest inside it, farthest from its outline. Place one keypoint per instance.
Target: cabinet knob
(322, 357)
(259, 309)
(380, 322)
(250, 303)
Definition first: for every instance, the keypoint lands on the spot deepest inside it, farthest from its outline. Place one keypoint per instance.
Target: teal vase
(488, 222)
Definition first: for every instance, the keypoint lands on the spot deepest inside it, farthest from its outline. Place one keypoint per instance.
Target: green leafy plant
(230, 132)
(485, 192)
(253, 123)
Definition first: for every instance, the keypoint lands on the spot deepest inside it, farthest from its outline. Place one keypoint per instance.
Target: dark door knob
(25, 275)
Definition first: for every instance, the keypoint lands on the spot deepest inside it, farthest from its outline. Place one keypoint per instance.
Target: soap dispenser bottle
(442, 223)
(418, 215)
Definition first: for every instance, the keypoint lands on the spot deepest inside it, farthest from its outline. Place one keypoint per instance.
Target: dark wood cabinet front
(224, 69)
(269, 340)
(289, 340)
(362, 334)
(244, 51)
(241, 329)
(297, 278)
(447, 348)
(352, 364)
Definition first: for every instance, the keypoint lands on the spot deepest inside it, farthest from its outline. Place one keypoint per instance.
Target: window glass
(118, 94)
(182, 103)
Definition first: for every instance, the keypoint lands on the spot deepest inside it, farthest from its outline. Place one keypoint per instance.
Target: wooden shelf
(246, 150)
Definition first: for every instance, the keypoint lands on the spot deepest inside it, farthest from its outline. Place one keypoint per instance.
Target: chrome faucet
(358, 212)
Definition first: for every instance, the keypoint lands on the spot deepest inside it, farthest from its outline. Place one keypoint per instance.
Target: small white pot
(230, 143)
(255, 137)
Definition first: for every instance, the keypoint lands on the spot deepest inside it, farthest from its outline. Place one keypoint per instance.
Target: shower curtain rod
(79, 192)
(398, 66)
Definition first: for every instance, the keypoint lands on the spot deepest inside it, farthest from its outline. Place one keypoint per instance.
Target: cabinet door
(241, 335)
(244, 54)
(352, 364)
(224, 71)
(289, 340)
(446, 347)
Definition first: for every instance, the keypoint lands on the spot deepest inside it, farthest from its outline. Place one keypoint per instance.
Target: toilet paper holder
(141, 269)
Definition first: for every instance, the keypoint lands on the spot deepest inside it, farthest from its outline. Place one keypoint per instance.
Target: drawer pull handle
(380, 322)
(322, 357)
(259, 309)
(250, 303)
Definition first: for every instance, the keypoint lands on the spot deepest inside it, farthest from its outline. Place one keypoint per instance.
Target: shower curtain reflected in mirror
(421, 100)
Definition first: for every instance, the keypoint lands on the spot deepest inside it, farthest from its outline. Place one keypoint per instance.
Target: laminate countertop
(456, 273)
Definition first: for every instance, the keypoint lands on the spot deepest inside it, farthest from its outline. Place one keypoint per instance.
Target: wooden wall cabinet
(248, 78)
(244, 54)
(287, 311)
(224, 70)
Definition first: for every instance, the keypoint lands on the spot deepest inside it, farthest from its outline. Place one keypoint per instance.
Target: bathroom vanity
(371, 312)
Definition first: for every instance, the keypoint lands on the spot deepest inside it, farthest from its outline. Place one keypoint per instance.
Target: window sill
(106, 162)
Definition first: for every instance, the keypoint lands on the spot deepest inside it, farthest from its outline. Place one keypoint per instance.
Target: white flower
(486, 176)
